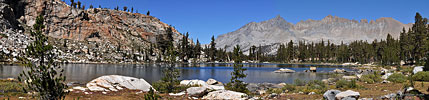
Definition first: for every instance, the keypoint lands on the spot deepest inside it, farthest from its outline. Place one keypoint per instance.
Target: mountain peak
(278, 18)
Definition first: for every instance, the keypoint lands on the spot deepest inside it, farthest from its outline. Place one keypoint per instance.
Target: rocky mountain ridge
(91, 35)
(335, 29)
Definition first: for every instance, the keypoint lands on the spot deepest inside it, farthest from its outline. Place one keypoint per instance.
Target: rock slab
(196, 91)
(330, 94)
(117, 82)
(225, 95)
(347, 95)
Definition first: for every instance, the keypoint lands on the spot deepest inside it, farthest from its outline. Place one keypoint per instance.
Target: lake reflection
(256, 73)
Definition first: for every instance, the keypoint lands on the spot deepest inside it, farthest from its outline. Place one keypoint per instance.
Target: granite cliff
(90, 35)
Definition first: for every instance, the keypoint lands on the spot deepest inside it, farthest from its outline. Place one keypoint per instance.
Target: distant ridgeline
(284, 46)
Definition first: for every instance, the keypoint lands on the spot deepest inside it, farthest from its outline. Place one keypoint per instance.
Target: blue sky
(204, 18)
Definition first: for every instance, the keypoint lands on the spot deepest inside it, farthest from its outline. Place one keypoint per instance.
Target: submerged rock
(225, 94)
(117, 82)
(284, 70)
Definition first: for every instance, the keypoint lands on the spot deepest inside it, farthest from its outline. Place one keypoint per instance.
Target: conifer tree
(235, 83)
(43, 76)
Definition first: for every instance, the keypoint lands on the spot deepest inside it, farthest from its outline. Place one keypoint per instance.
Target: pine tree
(235, 83)
(197, 49)
(125, 8)
(43, 76)
(281, 53)
(290, 51)
(79, 4)
(212, 51)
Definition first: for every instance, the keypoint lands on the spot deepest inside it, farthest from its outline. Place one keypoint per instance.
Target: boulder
(225, 95)
(339, 70)
(330, 94)
(194, 82)
(177, 94)
(117, 82)
(196, 91)
(347, 95)
(417, 69)
(385, 76)
(349, 77)
(284, 70)
(213, 82)
(215, 87)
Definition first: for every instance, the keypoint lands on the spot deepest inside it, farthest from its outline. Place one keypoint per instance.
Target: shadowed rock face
(332, 28)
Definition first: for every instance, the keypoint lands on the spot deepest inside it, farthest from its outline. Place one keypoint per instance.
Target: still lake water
(256, 73)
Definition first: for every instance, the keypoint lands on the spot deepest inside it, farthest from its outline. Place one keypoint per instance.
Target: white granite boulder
(196, 91)
(330, 94)
(417, 69)
(347, 95)
(225, 95)
(117, 82)
(194, 82)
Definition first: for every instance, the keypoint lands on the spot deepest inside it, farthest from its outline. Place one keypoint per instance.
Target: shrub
(346, 84)
(421, 76)
(275, 90)
(169, 82)
(316, 86)
(299, 82)
(371, 78)
(289, 87)
(397, 78)
(235, 84)
(11, 88)
(151, 95)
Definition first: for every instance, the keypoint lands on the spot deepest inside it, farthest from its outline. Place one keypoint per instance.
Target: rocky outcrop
(196, 91)
(330, 94)
(225, 95)
(91, 35)
(117, 82)
(213, 82)
(348, 95)
(194, 83)
(332, 28)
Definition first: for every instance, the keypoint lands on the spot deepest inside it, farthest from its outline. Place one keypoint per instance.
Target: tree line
(411, 48)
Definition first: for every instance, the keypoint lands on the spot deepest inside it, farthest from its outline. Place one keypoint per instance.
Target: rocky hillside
(96, 34)
(332, 28)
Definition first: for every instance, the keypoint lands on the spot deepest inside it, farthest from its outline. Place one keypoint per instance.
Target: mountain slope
(95, 34)
(332, 28)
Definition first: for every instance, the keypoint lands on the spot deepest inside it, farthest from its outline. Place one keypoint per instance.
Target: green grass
(11, 88)
(397, 78)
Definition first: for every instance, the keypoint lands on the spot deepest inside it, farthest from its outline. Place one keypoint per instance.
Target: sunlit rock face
(94, 34)
(335, 29)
